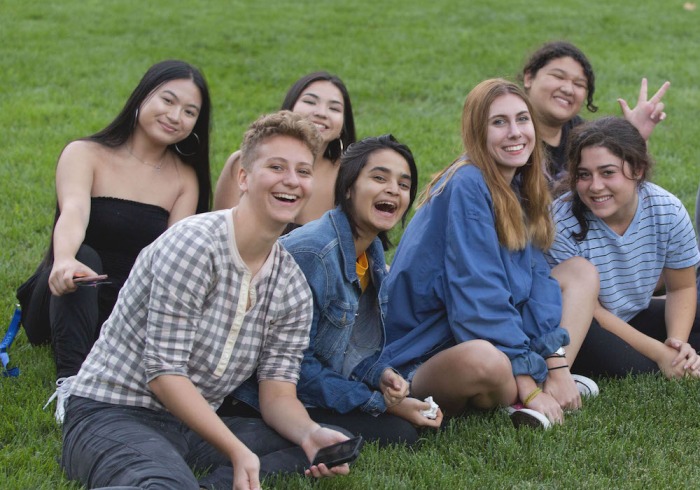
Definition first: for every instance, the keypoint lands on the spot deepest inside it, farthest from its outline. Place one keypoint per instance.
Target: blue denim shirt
(325, 252)
(451, 281)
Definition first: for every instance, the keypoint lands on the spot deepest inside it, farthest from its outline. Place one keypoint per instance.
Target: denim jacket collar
(375, 252)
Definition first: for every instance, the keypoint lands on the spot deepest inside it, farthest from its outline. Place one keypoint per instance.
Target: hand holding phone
(340, 453)
(87, 281)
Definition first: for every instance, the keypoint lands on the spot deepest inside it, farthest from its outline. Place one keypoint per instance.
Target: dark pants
(385, 428)
(74, 319)
(106, 445)
(697, 230)
(604, 354)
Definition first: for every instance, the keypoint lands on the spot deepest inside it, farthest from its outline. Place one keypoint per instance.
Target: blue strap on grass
(7, 342)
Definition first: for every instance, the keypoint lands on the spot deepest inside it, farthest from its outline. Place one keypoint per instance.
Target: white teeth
(600, 199)
(286, 197)
(514, 148)
(320, 126)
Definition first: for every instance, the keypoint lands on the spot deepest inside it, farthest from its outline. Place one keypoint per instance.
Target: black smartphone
(87, 281)
(340, 453)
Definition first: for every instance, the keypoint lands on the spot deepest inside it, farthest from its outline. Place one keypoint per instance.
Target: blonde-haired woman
(475, 317)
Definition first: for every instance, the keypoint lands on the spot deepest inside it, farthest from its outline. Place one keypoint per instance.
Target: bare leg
(579, 283)
(474, 373)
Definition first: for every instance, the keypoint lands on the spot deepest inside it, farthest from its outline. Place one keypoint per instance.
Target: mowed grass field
(67, 67)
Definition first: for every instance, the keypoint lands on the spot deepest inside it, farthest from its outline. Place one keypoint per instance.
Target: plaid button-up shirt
(190, 307)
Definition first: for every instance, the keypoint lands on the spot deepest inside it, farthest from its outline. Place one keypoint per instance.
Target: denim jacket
(451, 281)
(325, 252)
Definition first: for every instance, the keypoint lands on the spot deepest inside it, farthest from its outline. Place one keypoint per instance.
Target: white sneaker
(526, 417)
(586, 386)
(61, 394)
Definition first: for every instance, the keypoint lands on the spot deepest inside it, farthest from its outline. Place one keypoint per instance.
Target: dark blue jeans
(106, 445)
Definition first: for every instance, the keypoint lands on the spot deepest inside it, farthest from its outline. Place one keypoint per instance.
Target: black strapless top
(119, 229)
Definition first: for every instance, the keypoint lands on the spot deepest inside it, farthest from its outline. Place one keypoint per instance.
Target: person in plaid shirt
(212, 301)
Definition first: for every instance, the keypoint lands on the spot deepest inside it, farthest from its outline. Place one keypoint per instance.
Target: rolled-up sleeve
(181, 273)
(288, 335)
(481, 277)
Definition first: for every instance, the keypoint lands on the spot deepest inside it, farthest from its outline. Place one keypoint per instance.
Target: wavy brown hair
(520, 217)
(620, 138)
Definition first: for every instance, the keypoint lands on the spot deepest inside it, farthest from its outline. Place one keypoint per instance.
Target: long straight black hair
(194, 150)
(347, 134)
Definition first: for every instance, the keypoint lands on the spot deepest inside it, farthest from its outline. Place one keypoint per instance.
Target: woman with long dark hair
(474, 317)
(635, 233)
(342, 257)
(325, 100)
(559, 79)
(117, 191)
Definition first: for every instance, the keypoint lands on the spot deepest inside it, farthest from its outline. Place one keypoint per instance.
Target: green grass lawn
(66, 68)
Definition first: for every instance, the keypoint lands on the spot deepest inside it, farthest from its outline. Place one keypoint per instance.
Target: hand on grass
(647, 113)
(246, 470)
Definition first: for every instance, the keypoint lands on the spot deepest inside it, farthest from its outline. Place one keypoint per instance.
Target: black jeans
(604, 354)
(385, 428)
(71, 321)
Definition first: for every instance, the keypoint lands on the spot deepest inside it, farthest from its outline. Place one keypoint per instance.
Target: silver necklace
(157, 167)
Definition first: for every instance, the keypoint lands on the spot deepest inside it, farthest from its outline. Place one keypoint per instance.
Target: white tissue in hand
(430, 413)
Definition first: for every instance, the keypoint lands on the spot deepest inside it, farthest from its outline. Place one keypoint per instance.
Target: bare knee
(473, 372)
(483, 362)
(485, 374)
(579, 273)
(492, 375)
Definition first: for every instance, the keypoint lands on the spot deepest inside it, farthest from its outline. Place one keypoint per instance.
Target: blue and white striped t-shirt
(660, 236)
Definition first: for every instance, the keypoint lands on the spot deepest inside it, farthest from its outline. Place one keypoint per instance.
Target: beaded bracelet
(532, 395)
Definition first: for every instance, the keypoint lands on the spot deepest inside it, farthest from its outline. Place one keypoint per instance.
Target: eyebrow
(387, 171)
(504, 115)
(559, 70)
(281, 159)
(178, 98)
(311, 94)
(601, 167)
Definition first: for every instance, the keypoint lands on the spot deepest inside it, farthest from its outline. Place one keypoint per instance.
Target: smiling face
(322, 103)
(557, 90)
(605, 186)
(381, 193)
(278, 183)
(170, 112)
(510, 137)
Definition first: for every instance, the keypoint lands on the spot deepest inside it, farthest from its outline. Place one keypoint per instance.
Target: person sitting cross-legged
(209, 302)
